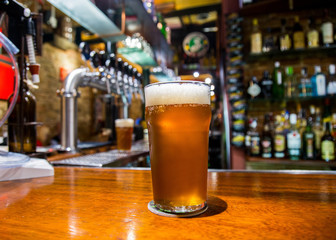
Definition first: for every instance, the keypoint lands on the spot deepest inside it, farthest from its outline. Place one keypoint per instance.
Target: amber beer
(124, 129)
(178, 118)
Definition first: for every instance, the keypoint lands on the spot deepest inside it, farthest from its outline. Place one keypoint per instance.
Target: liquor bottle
(298, 35)
(327, 30)
(312, 34)
(331, 80)
(293, 139)
(333, 125)
(284, 38)
(252, 139)
(326, 117)
(24, 113)
(290, 83)
(318, 81)
(287, 126)
(266, 139)
(327, 145)
(279, 141)
(318, 130)
(266, 85)
(256, 38)
(253, 89)
(303, 121)
(305, 86)
(269, 41)
(278, 85)
(308, 141)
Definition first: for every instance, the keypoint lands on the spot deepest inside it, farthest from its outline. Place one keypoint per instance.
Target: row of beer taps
(117, 78)
(120, 77)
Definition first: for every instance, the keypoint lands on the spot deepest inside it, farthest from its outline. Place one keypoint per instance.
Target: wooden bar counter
(103, 203)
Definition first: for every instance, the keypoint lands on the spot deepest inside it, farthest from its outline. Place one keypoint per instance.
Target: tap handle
(103, 57)
(85, 50)
(94, 58)
(98, 59)
(125, 68)
(120, 64)
(110, 61)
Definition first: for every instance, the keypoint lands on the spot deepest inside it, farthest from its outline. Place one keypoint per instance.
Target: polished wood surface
(96, 203)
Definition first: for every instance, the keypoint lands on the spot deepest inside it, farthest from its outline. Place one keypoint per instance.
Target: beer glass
(178, 117)
(124, 129)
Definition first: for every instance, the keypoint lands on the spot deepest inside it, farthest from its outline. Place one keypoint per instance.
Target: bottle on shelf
(256, 38)
(333, 125)
(305, 86)
(326, 117)
(278, 85)
(253, 89)
(266, 139)
(327, 30)
(331, 80)
(285, 40)
(318, 130)
(308, 141)
(252, 139)
(293, 139)
(312, 34)
(327, 145)
(23, 138)
(318, 81)
(302, 120)
(290, 83)
(266, 85)
(298, 34)
(287, 126)
(269, 41)
(279, 140)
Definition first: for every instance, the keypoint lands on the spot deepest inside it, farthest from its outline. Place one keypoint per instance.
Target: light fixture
(196, 74)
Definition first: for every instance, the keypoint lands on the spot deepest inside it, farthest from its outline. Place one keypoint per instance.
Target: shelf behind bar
(263, 7)
(287, 161)
(292, 54)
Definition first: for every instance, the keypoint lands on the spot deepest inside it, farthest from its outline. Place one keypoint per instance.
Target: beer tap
(111, 67)
(131, 81)
(138, 78)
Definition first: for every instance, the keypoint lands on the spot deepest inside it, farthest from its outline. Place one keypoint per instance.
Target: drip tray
(112, 158)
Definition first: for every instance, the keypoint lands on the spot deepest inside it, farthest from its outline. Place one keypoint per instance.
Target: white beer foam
(177, 93)
(127, 122)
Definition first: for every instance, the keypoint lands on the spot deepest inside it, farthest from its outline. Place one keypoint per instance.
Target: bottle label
(328, 150)
(313, 39)
(327, 32)
(321, 85)
(247, 141)
(256, 43)
(279, 141)
(255, 145)
(285, 42)
(279, 77)
(294, 143)
(267, 148)
(310, 145)
(254, 90)
(299, 41)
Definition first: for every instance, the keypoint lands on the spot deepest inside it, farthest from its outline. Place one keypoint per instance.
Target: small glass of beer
(124, 129)
(178, 118)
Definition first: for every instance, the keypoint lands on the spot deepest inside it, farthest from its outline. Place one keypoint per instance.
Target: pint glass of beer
(124, 129)
(178, 118)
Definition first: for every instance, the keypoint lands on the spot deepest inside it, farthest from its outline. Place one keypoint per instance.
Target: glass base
(179, 213)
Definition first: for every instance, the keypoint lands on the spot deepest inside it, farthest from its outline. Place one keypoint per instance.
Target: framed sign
(196, 44)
